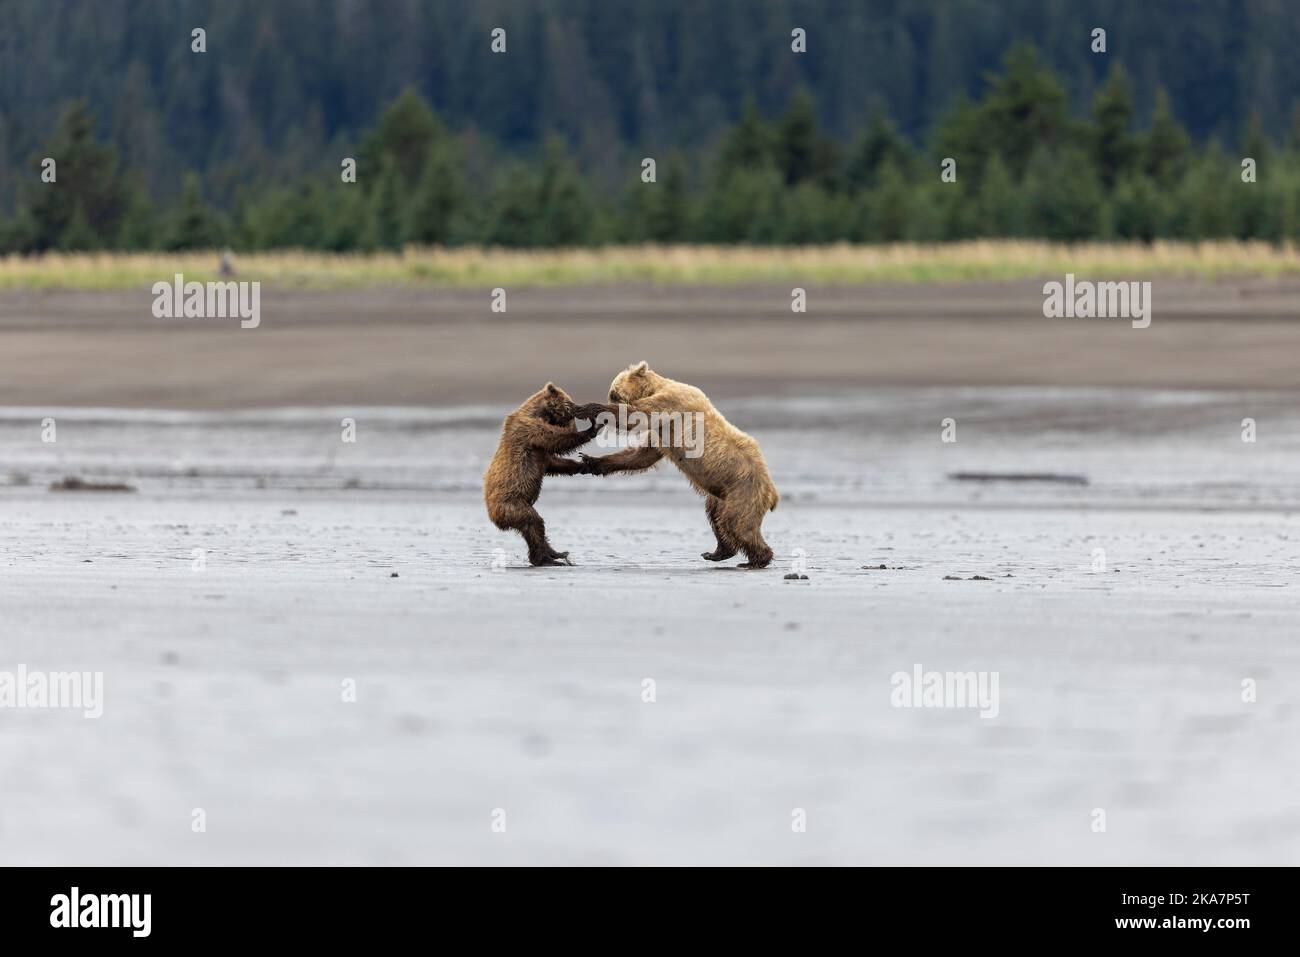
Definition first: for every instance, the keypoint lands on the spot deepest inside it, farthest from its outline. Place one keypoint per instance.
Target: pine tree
(562, 201)
(1255, 144)
(744, 207)
(88, 184)
(350, 225)
(139, 229)
(513, 211)
(889, 206)
(1293, 131)
(404, 135)
(962, 132)
(389, 206)
(194, 225)
(1286, 196)
(1001, 203)
(1206, 205)
(1164, 150)
(795, 144)
(1256, 208)
(78, 236)
(668, 211)
(1137, 208)
(1025, 109)
(1064, 195)
(880, 144)
(437, 199)
(808, 215)
(308, 216)
(1112, 114)
(18, 234)
(748, 145)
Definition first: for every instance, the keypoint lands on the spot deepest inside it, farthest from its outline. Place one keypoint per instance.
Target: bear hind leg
(527, 522)
(725, 549)
(744, 522)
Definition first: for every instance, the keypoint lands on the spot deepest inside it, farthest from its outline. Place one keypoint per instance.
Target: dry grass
(473, 267)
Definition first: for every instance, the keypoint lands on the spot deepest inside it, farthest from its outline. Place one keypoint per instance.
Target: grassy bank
(472, 267)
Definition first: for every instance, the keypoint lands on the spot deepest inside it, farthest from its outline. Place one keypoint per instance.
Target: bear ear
(550, 389)
(640, 368)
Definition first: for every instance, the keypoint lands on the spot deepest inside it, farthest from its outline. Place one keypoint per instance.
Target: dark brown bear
(533, 440)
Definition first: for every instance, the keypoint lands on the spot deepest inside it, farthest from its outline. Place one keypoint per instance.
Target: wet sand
(484, 685)
(445, 347)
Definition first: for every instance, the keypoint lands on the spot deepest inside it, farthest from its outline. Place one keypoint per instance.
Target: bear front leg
(559, 465)
(629, 460)
(559, 439)
(593, 410)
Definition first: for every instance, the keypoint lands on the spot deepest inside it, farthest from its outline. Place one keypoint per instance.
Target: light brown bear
(723, 463)
(533, 440)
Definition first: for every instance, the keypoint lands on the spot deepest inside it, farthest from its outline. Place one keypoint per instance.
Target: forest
(903, 121)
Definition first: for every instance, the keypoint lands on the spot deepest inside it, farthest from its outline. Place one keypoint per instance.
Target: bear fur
(533, 440)
(729, 471)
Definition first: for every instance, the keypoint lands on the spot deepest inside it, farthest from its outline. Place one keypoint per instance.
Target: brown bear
(722, 463)
(533, 438)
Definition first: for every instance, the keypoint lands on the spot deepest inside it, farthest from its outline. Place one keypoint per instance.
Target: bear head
(633, 383)
(551, 404)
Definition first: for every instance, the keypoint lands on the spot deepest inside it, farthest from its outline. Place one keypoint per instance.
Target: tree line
(1015, 161)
